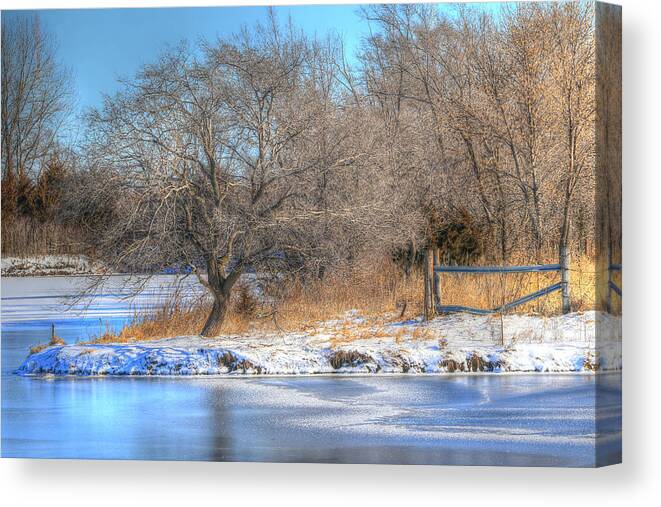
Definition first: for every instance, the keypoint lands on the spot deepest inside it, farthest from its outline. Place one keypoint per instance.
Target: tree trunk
(437, 278)
(427, 295)
(564, 244)
(221, 288)
(217, 316)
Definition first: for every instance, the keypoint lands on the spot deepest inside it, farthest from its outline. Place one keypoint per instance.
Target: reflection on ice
(505, 420)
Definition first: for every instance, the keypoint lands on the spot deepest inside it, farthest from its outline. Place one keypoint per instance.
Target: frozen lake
(523, 420)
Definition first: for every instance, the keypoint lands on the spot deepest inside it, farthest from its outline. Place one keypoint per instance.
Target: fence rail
(503, 308)
(495, 269)
(615, 288)
(612, 286)
(433, 285)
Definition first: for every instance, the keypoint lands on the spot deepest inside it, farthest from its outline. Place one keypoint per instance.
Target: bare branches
(509, 104)
(214, 159)
(34, 106)
(268, 152)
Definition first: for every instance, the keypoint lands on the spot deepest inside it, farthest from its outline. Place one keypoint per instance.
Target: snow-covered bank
(453, 343)
(49, 265)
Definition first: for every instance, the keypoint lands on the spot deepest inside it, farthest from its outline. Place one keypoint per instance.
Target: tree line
(274, 151)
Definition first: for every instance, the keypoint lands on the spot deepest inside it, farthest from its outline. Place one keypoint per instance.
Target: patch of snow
(49, 265)
(453, 343)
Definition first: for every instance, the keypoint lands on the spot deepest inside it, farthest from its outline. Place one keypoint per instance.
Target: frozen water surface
(522, 420)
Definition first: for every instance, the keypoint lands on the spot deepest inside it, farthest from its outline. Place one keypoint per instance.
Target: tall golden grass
(301, 306)
(172, 318)
(384, 294)
(493, 290)
(24, 237)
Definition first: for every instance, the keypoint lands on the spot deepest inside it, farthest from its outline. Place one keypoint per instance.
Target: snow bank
(450, 344)
(48, 265)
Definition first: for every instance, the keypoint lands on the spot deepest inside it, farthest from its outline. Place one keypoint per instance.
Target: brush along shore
(355, 344)
(49, 265)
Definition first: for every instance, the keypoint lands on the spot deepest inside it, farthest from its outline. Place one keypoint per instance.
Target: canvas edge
(608, 216)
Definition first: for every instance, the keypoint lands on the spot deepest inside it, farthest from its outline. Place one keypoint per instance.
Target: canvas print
(315, 233)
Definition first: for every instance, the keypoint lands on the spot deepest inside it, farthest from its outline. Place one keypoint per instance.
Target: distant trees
(35, 100)
(35, 104)
(502, 111)
(573, 93)
(459, 132)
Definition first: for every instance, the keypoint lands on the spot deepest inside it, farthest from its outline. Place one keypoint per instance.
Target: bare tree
(574, 94)
(212, 158)
(35, 100)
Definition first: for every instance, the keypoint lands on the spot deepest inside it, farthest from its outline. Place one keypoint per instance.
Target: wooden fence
(612, 286)
(433, 286)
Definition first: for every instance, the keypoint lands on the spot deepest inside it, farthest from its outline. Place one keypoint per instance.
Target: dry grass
(177, 317)
(172, 318)
(493, 290)
(25, 237)
(370, 328)
(55, 340)
(381, 291)
(378, 295)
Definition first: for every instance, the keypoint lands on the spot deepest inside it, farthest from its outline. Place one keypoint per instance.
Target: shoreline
(454, 344)
(262, 376)
(49, 265)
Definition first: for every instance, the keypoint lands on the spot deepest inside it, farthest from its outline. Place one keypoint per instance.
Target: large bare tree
(212, 155)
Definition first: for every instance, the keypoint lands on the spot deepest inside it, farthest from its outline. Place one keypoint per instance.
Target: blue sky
(100, 45)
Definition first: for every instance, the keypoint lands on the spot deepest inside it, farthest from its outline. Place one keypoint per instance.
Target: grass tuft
(55, 340)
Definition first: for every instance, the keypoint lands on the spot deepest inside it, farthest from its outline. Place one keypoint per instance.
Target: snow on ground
(353, 344)
(48, 265)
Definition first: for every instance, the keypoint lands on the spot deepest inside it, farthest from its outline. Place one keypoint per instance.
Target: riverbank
(355, 344)
(49, 265)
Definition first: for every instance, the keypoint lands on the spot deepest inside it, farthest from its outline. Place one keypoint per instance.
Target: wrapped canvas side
(608, 208)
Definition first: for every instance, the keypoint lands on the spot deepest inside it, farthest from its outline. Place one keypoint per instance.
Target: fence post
(564, 279)
(425, 274)
(610, 280)
(437, 279)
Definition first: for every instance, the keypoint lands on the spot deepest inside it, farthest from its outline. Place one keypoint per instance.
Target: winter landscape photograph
(319, 233)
